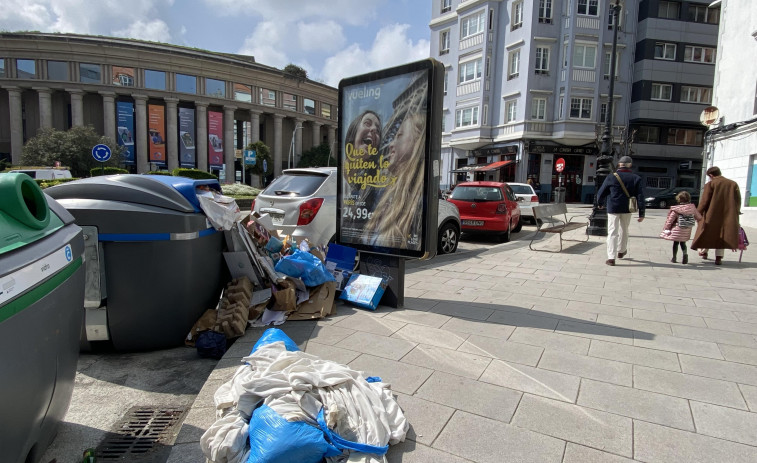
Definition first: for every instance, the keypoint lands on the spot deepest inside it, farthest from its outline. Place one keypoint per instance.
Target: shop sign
(539, 148)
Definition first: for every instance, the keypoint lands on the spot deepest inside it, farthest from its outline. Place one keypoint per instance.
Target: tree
(296, 71)
(72, 148)
(262, 153)
(317, 156)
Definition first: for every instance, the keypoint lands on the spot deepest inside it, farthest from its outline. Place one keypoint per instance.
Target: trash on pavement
(340, 261)
(364, 291)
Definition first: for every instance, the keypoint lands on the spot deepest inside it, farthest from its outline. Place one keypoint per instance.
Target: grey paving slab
(480, 328)
(746, 317)
(666, 317)
(636, 403)
(449, 361)
(564, 314)
(502, 350)
(417, 304)
(537, 381)
(699, 312)
(413, 452)
(462, 309)
(659, 444)
(689, 293)
(719, 336)
(613, 298)
(587, 367)
(186, 452)
(575, 453)
(688, 386)
(530, 300)
(431, 336)
(197, 421)
(719, 369)
(740, 326)
(382, 346)
(593, 331)
(635, 355)
(328, 334)
(725, 423)
(730, 306)
(750, 396)
(636, 324)
(600, 308)
(485, 440)
(371, 324)
(402, 377)
(661, 299)
(418, 317)
(495, 402)
(426, 418)
(577, 424)
(333, 353)
(534, 337)
(536, 320)
(680, 345)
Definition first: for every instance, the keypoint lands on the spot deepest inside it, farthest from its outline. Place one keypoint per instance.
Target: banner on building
(125, 136)
(187, 137)
(156, 133)
(215, 139)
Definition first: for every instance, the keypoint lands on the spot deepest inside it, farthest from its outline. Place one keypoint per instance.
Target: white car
(527, 199)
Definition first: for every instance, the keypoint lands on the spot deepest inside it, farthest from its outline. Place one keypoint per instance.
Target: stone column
(45, 107)
(297, 142)
(316, 133)
(109, 114)
(140, 114)
(202, 136)
(332, 141)
(17, 123)
(77, 107)
(277, 120)
(228, 143)
(255, 126)
(172, 133)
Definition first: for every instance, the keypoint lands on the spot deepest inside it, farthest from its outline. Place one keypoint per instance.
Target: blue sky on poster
(331, 39)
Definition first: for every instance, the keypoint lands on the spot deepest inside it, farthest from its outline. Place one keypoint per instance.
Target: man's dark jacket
(617, 201)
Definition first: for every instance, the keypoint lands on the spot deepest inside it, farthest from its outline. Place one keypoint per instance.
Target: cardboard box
(364, 291)
(340, 261)
(319, 305)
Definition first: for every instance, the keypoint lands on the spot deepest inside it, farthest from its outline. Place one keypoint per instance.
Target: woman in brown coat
(720, 205)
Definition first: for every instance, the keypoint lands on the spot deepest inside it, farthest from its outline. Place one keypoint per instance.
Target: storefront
(578, 176)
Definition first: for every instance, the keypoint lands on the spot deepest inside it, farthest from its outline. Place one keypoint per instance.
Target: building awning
(494, 166)
(465, 169)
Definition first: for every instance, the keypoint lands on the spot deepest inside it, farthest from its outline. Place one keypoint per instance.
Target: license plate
(278, 219)
(474, 223)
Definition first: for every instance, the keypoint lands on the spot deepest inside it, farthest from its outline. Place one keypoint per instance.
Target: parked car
(487, 207)
(302, 203)
(44, 174)
(666, 198)
(527, 199)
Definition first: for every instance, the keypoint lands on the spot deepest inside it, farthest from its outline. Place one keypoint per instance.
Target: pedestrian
(720, 204)
(617, 191)
(680, 221)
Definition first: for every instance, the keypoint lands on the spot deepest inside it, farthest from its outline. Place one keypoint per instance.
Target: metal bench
(548, 221)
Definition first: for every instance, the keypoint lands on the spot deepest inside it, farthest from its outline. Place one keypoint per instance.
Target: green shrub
(193, 173)
(48, 183)
(108, 170)
(159, 172)
(239, 190)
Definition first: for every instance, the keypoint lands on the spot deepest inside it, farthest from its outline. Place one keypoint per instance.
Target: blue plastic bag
(305, 266)
(276, 440)
(211, 344)
(272, 335)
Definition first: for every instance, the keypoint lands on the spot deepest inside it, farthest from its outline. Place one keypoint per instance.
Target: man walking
(616, 192)
(720, 205)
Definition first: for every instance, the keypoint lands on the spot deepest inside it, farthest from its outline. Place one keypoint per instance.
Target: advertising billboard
(389, 144)
(215, 139)
(125, 137)
(156, 133)
(186, 137)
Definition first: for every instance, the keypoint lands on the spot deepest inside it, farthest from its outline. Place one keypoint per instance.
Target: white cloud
(154, 31)
(324, 36)
(22, 15)
(265, 42)
(391, 47)
(290, 11)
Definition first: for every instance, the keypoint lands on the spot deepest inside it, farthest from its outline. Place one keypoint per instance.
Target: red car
(487, 207)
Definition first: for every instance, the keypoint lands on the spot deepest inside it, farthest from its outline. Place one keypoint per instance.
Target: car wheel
(663, 204)
(519, 226)
(505, 237)
(448, 239)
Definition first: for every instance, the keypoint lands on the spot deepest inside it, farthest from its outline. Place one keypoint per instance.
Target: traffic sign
(249, 158)
(265, 165)
(560, 164)
(101, 153)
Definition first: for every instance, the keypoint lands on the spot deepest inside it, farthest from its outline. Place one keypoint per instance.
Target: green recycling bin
(41, 312)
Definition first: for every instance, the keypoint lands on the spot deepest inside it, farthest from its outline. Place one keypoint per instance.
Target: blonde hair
(683, 197)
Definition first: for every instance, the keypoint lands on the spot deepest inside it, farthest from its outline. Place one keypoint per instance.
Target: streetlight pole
(598, 219)
(291, 146)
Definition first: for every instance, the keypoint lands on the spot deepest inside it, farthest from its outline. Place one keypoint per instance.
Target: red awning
(494, 166)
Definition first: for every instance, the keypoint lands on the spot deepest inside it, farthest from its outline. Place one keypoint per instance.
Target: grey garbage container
(41, 295)
(558, 195)
(154, 262)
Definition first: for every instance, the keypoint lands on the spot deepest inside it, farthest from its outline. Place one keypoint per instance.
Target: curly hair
(683, 197)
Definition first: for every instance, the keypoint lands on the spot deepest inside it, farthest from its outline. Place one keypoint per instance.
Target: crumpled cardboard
(285, 297)
(320, 304)
(206, 322)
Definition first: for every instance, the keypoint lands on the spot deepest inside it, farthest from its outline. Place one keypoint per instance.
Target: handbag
(633, 206)
(686, 221)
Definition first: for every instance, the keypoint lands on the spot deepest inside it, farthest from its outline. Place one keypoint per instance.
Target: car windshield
(477, 193)
(295, 185)
(521, 189)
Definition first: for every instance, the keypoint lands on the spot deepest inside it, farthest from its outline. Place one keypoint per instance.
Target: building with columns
(170, 106)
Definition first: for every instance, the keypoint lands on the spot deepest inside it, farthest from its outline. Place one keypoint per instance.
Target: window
(539, 109)
(308, 106)
(516, 19)
(562, 106)
(694, 54)
(688, 137)
(466, 117)
(513, 64)
(664, 50)
(668, 10)
(545, 11)
(691, 94)
(446, 79)
(446, 5)
(472, 25)
(326, 110)
(444, 42)
(2, 67)
(155, 79)
(216, 88)
(584, 56)
(267, 97)
(186, 83)
(611, 20)
(565, 55)
(607, 64)
(57, 70)
(580, 108)
(603, 113)
(662, 92)
(470, 71)
(542, 60)
(122, 76)
(702, 14)
(26, 69)
(90, 73)
(588, 7)
(658, 182)
(242, 92)
(289, 102)
(511, 110)
(648, 134)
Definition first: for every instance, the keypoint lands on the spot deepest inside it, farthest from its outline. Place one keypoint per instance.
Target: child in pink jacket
(680, 221)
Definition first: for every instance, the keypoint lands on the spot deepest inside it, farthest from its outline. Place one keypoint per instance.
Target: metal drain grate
(139, 432)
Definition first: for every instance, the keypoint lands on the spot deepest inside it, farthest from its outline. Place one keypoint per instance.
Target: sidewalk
(511, 355)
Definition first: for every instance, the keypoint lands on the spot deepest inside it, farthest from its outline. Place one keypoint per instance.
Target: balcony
(584, 75)
(469, 87)
(587, 22)
(472, 41)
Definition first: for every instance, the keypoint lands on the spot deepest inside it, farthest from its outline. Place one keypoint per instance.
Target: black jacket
(612, 193)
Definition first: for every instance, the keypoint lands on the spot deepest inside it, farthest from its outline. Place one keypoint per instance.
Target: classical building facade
(169, 106)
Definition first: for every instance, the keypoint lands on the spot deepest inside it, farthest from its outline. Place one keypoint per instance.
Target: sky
(330, 39)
